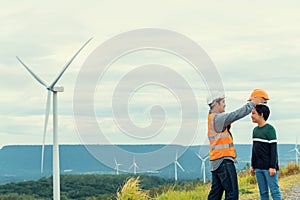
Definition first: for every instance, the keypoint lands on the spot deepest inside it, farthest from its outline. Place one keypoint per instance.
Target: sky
(252, 44)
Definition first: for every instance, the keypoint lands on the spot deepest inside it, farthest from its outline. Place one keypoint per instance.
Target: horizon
(128, 144)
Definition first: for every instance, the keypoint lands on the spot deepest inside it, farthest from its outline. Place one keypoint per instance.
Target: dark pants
(224, 178)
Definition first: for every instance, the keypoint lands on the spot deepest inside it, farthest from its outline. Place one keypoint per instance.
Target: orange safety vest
(221, 143)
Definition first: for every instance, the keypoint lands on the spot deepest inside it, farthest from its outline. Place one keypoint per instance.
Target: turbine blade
(180, 166)
(32, 73)
(45, 128)
(68, 63)
(199, 156)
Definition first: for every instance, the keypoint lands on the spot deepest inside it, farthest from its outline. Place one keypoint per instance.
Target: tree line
(88, 187)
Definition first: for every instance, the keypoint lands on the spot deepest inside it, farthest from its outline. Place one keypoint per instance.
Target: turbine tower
(117, 167)
(296, 151)
(134, 166)
(54, 90)
(203, 166)
(176, 163)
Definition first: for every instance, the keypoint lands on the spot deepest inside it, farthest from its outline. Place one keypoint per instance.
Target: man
(222, 151)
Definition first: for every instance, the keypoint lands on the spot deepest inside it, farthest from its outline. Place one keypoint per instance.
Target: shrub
(291, 169)
(132, 190)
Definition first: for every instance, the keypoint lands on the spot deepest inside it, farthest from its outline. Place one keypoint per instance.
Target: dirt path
(293, 194)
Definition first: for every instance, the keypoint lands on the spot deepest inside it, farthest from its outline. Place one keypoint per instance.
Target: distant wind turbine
(117, 166)
(203, 166)
(296, 151)
(134, 166)
(52, 88)
(176, 163)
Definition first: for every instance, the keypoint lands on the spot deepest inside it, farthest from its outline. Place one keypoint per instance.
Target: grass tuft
(132, 191)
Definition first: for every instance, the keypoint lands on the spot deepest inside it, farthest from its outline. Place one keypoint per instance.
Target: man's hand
(272, 171)
(252, 171)
(257, 100)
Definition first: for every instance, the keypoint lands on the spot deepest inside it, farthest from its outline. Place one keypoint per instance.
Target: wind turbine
(203, 166)
(296, 151)
(117, 167)
(176, 163)
(134, 166)
(52, 88)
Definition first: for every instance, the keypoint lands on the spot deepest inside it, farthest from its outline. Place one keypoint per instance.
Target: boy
(264, 159)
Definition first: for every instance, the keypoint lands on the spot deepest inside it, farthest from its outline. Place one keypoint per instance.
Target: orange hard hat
(260, 93)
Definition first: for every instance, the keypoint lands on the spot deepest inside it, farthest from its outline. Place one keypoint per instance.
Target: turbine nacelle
(56, 89)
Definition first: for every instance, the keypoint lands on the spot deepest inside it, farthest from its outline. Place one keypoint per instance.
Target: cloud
(253, 45)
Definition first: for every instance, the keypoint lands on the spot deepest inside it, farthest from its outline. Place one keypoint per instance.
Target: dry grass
(132, 191)
(200, 192)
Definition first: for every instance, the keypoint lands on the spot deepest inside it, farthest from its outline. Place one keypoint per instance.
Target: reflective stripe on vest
(215, 137)
(221, 143)
(221, 146)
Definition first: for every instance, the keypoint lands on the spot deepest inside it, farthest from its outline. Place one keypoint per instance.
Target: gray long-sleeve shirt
(222, 120)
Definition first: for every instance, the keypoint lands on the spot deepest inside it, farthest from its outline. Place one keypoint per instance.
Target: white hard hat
(214, 95)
